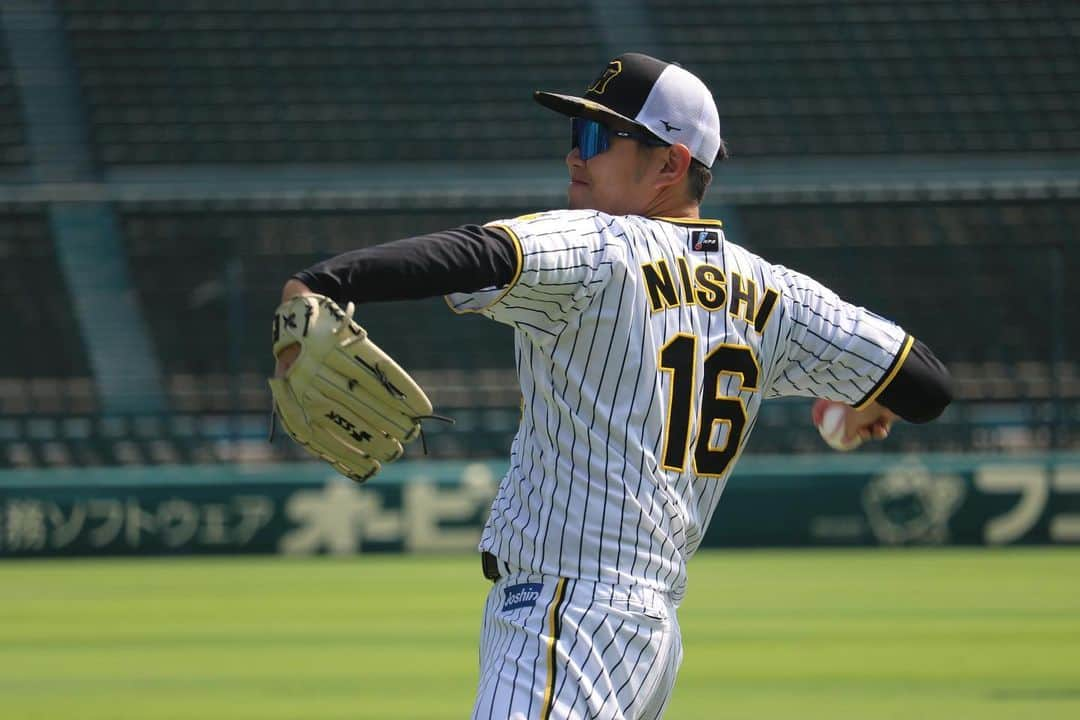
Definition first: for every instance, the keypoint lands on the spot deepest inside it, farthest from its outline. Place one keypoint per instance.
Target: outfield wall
(419, 506)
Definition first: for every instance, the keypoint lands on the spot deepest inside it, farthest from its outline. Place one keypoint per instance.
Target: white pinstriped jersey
(644, 349)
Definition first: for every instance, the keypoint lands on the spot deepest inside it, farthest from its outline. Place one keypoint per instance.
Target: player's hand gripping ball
(344, 399)
(831, 419)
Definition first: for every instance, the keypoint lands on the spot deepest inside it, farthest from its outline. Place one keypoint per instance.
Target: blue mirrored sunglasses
(592, 138)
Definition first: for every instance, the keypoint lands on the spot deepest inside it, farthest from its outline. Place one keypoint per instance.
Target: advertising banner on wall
(294, 509)
(420, 506)
(897, 500)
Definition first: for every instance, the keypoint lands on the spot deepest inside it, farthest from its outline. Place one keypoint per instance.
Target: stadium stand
(297, 82)
(414, 81)
(33, 293)
(190, 103)
(180, 438)
(192, 269)
(13, 153)
(876, 76)
(957, 274)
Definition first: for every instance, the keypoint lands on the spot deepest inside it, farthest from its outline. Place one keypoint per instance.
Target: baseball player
(645, 343)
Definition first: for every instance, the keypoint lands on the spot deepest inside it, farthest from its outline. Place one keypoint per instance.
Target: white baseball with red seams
(832, 428)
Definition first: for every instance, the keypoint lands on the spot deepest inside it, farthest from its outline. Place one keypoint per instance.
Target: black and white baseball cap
(662, 98)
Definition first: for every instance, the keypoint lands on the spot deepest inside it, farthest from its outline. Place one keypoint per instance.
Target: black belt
(490, 565)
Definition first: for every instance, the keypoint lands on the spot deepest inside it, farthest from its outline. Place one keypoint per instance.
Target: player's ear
(676, 164)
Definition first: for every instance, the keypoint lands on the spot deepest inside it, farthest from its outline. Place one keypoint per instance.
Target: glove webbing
(390, 388)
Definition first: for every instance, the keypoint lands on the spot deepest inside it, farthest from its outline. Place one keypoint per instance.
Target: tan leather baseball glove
(345, 400)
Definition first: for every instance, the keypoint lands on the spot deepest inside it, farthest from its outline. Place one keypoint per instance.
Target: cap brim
(572, 106)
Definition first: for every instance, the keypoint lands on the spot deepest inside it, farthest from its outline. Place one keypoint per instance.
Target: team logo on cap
(614, 68)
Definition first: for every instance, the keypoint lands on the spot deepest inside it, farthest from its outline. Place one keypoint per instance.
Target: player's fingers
(879, 429)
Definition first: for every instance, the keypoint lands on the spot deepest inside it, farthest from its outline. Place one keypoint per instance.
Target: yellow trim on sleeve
(519, 252)
(909, 341)
(549, 687)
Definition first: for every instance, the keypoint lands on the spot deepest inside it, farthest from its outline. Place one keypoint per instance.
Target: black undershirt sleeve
(464, 259)
(921, 389)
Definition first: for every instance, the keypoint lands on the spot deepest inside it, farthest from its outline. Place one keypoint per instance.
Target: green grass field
(920, 634)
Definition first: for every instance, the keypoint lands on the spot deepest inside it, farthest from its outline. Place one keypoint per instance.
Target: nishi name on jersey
(707, 286)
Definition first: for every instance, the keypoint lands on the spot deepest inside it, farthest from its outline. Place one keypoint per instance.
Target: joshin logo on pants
(523, 595)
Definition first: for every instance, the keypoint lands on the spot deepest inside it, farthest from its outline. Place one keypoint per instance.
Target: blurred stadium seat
(181, 264)
(875, 76)
(13, 154)
(199, 115)
(904, 261)
(38, 305)
(288, 82)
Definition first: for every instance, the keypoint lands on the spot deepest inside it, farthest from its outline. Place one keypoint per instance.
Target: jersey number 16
(678, 356)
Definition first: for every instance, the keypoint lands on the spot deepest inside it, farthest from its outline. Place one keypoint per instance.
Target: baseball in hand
(831, 428)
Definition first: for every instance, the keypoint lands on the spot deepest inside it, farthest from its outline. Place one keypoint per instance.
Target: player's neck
(672, 205)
